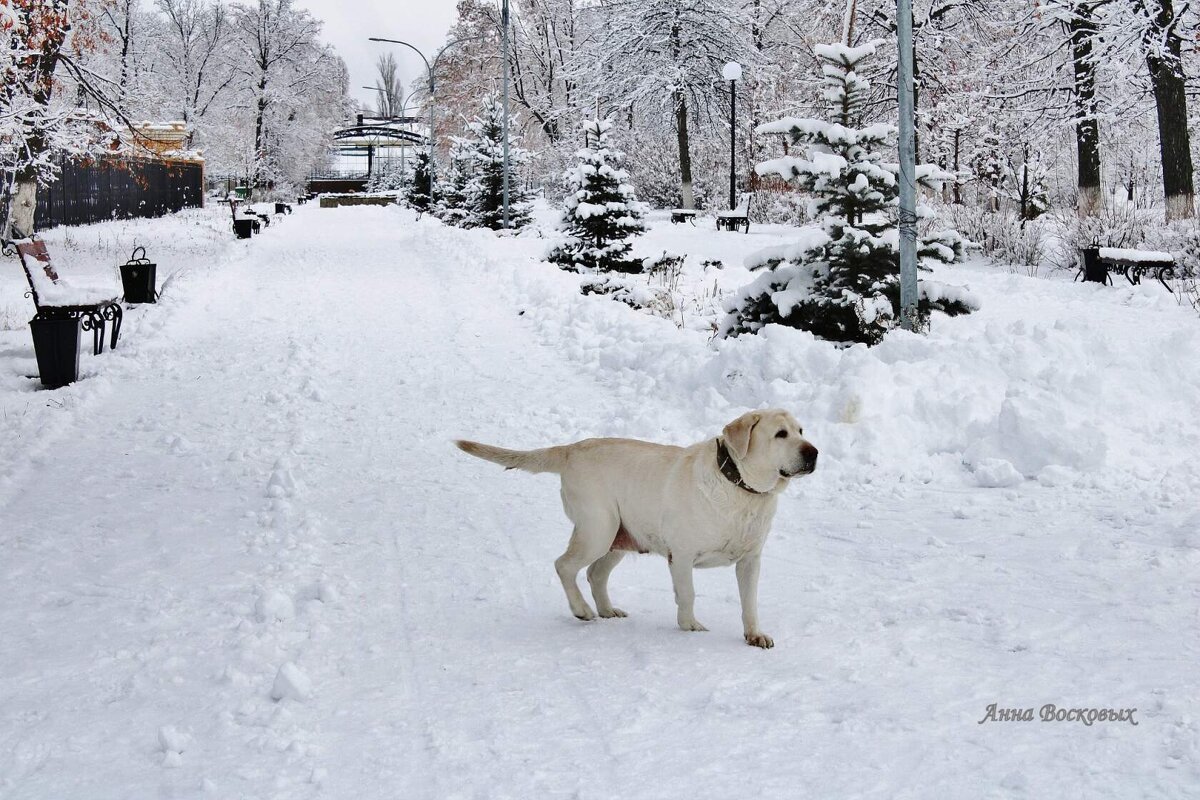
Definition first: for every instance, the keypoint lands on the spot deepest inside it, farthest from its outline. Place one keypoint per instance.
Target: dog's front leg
(747, 578)
(685, 593)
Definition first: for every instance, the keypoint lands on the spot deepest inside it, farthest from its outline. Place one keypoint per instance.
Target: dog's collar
(730, 470)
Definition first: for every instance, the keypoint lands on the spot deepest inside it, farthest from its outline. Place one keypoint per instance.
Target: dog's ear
(737, 434)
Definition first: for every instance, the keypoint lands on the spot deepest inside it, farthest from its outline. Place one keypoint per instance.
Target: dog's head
(769, 448)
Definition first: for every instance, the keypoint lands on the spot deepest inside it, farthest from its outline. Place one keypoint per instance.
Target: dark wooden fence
(103, 189)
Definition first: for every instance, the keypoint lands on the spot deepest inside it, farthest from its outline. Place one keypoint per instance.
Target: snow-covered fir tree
(842, 280)
(601, 212)
(484, 200)
(451, 205)
(418, 195)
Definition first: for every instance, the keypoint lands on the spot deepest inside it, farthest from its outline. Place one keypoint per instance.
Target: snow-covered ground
(241, 559)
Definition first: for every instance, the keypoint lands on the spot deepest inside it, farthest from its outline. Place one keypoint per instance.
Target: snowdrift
(1053, 381)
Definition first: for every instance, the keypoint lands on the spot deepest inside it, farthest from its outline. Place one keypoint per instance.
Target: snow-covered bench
(1133, 264)
(55, 297)
(738, 217)
(683, 215)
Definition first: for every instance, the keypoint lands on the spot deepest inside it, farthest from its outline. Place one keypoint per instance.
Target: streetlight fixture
(732, 72)
(431, 69)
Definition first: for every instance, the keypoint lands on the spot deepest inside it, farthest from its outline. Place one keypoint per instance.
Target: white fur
(673, 501)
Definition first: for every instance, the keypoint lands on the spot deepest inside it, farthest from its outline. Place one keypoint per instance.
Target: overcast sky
(348, 23)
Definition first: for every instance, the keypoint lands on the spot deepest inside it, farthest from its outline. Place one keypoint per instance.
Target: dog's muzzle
(807, 464)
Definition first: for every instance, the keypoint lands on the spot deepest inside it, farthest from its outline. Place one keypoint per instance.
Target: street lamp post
(908, 185)
(732, 72)
(431, 69)
(504, 82)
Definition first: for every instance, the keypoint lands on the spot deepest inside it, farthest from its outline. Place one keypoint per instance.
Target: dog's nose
(809, 454)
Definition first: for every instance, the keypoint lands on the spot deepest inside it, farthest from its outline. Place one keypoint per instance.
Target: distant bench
(1133, 264)
(738, 217)
(683, 215)
(55, 298)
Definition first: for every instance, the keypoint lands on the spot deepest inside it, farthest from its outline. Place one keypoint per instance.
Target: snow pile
(1069, 384)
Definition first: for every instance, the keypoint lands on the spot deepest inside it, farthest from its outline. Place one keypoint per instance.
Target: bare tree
(389, 100)
(281, 48)
(199, 34)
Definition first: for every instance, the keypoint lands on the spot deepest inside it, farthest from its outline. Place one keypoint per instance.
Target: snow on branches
(841, 280)
(601, 209)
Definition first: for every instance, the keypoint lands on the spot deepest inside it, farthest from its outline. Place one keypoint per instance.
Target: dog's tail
(548, 459)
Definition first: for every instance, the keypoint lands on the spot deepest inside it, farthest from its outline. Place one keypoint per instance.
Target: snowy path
(268, 480)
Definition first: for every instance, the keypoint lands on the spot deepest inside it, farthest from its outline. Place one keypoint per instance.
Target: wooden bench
(683, 215)
(1098, 262)
(54, 300)
(738, 217)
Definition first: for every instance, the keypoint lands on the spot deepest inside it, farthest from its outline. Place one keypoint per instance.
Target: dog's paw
(612, 613)
(760, 640)
(586, 614)
(691, 625)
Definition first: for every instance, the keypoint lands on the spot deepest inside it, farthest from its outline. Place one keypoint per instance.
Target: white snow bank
(1049, 375)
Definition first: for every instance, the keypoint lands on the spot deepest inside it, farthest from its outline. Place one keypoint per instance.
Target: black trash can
(1093, 269)
(243, 228)
(56, 345)
(283, 208)
(138, 277)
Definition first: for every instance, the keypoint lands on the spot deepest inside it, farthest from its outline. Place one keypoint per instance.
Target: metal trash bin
(56, 346)
(1093, 269)
(138, 276)
(243, 228)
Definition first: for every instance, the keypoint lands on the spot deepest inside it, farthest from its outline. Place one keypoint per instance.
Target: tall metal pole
(732, 144)
(504, 81)
(432, 138)
(908, 168)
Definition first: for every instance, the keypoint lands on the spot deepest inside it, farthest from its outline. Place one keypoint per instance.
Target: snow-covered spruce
(483, 191)
(601, 211)
(841, 280)
(418, 195)
(451, 204)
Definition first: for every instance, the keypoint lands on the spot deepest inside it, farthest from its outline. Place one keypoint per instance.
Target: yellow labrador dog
(708, 505)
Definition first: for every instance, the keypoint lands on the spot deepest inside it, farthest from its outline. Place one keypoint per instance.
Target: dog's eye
(781, 435)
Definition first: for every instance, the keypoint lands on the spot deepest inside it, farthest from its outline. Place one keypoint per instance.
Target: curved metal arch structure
(358, 149)
(377, 135)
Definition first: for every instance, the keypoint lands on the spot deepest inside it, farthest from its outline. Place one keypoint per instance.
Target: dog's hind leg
(588, 544)
(597, 576)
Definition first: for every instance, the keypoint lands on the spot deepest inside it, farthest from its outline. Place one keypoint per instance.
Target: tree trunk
(22, 209)
(22, 206)
(1025, 186)
(1082, 29)
(258, 132)
(957, 150)
(685, 156)
(1170, 99)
